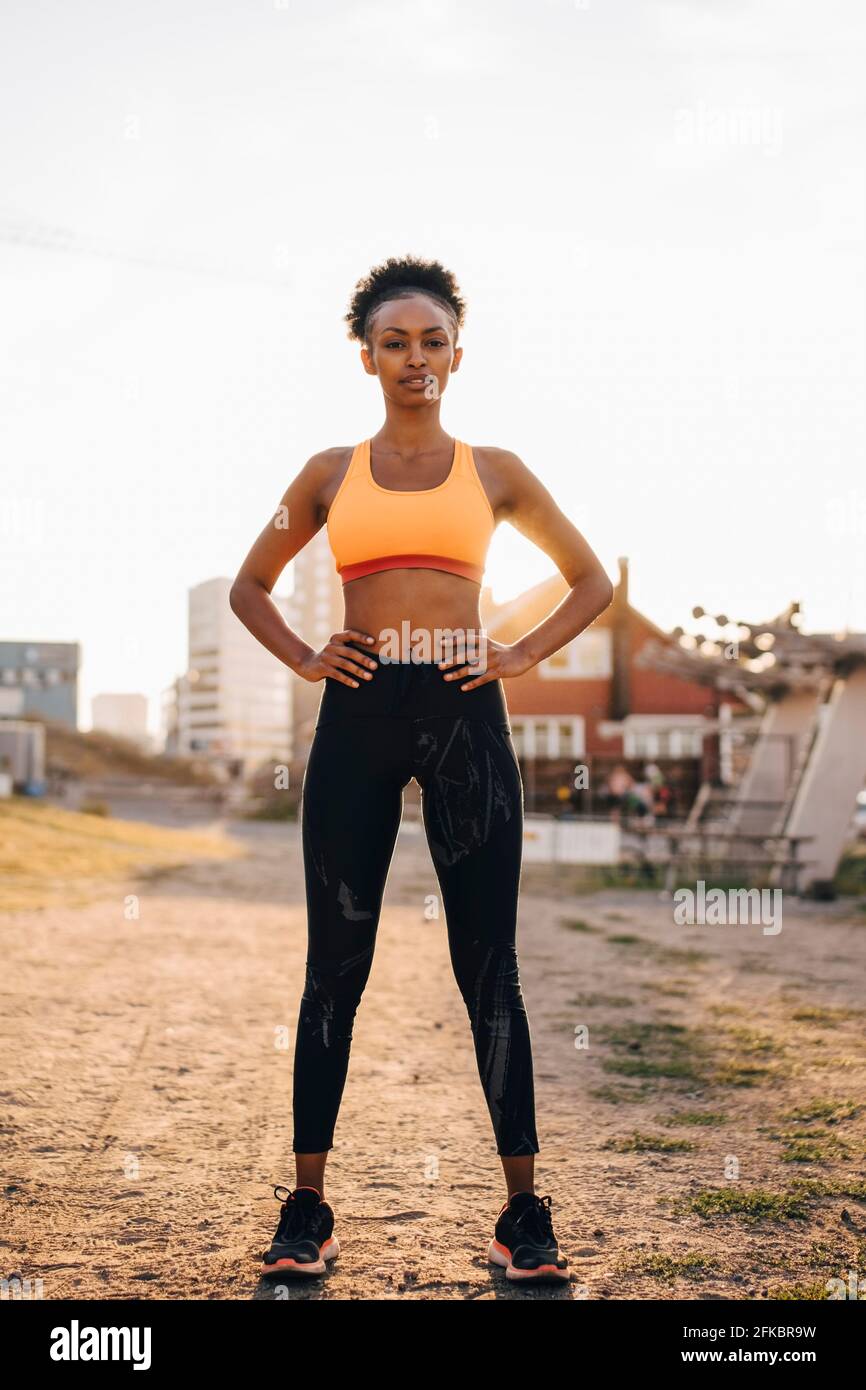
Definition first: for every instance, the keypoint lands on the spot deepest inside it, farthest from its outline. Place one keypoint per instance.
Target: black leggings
(408, 721)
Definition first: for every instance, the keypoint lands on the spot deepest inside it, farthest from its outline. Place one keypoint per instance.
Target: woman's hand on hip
(495, 661)
(336, 659)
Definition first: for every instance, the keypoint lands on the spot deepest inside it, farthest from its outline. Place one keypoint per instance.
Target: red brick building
(590, 705)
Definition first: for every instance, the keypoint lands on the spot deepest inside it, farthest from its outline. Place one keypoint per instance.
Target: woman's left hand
(494, 661)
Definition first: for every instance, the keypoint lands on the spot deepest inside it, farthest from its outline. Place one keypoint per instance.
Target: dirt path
(146, 1087)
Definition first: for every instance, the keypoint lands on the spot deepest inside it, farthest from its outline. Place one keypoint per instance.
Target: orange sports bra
(372, 528)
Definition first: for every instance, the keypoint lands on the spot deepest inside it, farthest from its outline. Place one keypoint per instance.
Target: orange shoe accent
(499, 1254)
(541, 1271)
(329, 1251)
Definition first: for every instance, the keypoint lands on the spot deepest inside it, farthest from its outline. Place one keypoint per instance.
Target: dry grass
(50, 856)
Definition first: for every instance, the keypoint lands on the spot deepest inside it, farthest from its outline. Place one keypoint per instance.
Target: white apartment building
(124, 715)
(234, 704)
(315, 611)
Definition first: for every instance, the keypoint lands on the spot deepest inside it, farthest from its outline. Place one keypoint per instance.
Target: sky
(655, 212)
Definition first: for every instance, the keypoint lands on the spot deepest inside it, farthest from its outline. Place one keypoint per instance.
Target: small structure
(808, 761)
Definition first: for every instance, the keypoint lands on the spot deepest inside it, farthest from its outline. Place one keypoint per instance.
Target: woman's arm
(297, 519)
(531, 510)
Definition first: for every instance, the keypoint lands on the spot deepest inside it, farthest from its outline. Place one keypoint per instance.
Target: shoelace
(538, 1215)
(291, 1215)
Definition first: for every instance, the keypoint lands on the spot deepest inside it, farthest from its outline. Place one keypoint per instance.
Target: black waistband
(411, 690)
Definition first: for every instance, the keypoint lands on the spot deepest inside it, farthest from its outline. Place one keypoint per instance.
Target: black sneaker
(524, 1243)
(305, 1234)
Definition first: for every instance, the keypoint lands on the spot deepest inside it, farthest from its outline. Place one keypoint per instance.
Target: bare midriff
(431, 602)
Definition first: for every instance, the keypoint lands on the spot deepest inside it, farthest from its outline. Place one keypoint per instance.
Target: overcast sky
(655, 212)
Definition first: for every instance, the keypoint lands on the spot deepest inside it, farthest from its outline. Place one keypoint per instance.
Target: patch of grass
(751, 1041)
(53, 857)
(579, 880)
(756, 965)
(649, 1143)
(803, 1151)
(679, 955)
(636, 1034)
(694, 1117)
(831, 1111)
(576, 924)
(757, 1204)
(739, 1074)
(838, 1260)
(808, 1293)
(634, 876)
(760, 1204)
(668, 1050)
(608, 1001)
(826, 1017)
(676, 989)
(668, 1268)
(662, 955)
(642, 1066)
(810, 1145)
(276, 809)
(622, 1095)
(830, 1187)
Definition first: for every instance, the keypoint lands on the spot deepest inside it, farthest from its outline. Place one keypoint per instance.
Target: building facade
(233, 705)
(40, 678)
(124, 715)
(315, 611)
(589, 706)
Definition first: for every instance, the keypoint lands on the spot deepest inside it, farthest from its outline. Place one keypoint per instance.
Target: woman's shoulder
(332, 457)
(330, 463)
(329, 467)
(500, 459)
(496, 464)
(500, 471)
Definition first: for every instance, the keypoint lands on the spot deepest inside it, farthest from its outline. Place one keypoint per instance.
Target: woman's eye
(434, 342)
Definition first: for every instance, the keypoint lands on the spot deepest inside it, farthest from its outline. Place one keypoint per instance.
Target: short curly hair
(397, 278)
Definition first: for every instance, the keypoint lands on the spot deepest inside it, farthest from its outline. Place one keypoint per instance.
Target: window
(663, 736)
(537, 737)
(587, 657)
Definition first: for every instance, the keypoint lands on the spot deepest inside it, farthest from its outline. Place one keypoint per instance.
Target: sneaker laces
(538, 1216)
(292, 1216)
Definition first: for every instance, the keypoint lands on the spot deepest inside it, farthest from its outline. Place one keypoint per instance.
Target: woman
(413, 687)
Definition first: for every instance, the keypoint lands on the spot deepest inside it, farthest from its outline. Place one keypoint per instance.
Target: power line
(44, 237)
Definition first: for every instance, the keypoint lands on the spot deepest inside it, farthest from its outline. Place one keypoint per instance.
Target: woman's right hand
(336, 658)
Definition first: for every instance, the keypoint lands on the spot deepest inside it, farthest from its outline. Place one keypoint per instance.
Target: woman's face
(411, 337)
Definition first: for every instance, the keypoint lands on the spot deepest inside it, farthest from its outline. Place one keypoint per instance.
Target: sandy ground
(146, 1085)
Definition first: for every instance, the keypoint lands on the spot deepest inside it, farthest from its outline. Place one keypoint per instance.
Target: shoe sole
(500, 1255)
(329, 1251)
